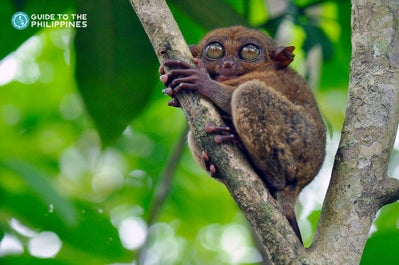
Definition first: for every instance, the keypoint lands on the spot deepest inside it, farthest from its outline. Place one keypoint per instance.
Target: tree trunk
(359, 184)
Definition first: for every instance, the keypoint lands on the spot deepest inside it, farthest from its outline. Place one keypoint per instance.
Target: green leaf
(339, 63)
(37, 182)
(210, 14)
(95, 234)
(314, 219)
(381, 249)
(92, 235)
(114, 62)
(273, 24)
(315, 36)
(28, 260)
(31, 211)
(11, 37)
(388, 217)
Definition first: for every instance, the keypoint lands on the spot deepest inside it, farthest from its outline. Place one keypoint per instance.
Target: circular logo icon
(20, 20)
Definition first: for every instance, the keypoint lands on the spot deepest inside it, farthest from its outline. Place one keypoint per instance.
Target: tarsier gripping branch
(269, 108)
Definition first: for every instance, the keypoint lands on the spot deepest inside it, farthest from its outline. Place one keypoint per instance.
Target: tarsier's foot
(174, 103)
(220, 138)
(227, 135)
(208, 165)
(211, 128)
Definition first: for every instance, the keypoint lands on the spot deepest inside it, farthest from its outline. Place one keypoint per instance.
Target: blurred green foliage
(87, 142)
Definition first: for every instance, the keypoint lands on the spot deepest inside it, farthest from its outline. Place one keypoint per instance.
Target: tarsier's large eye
(214, 50)
(249, 52)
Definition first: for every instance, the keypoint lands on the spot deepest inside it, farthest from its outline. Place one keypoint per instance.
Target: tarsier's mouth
(226, 76)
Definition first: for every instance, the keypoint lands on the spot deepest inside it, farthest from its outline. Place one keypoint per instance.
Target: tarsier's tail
(293, 222)
(286, 201)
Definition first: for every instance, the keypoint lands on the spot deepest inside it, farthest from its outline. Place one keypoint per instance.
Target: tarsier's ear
(194, 50)
(283, 55)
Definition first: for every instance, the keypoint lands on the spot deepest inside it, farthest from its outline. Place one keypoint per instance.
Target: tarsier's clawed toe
(174, 103)
(211, 128)
(223, 137)
(208, 165)
(168, 91)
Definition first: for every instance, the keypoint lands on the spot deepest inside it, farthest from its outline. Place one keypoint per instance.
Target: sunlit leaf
(388, 217)
(314, 218)
(339, 63)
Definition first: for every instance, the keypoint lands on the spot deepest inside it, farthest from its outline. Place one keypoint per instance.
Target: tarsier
(270, 110)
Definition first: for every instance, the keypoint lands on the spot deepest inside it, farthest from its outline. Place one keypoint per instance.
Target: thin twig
(163, 188)
(162, 191)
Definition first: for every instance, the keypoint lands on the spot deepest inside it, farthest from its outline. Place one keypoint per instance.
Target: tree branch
(356, 191)
(161, 192)
(389, 191)
(166, 178)
(245, 186)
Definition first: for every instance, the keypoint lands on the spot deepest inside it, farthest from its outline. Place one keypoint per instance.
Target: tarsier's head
(232, 52)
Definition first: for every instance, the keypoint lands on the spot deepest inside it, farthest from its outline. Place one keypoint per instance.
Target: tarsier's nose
(228, 63)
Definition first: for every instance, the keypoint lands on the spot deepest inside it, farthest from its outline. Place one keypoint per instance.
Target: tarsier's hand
(185, 76)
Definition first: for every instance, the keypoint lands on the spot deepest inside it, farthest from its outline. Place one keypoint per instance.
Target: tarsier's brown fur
(272, 109)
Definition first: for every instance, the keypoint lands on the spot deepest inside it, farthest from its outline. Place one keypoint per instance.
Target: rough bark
(359, 185)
